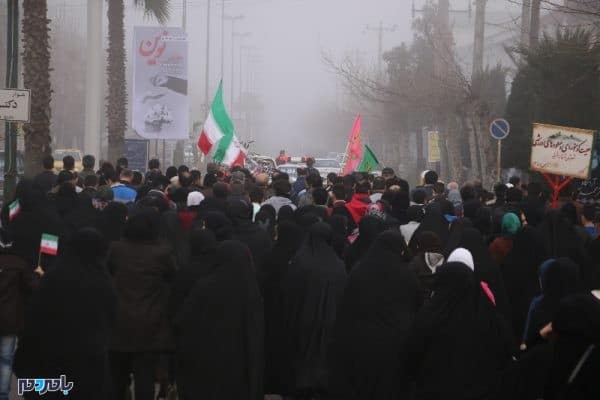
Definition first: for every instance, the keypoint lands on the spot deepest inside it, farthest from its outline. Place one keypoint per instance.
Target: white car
(290, 169)
(326, 166)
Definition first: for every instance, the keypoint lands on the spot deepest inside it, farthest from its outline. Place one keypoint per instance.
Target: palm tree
(36, 76)
(116, 106)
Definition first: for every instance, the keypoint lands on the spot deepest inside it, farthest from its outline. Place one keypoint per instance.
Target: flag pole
(345, 160)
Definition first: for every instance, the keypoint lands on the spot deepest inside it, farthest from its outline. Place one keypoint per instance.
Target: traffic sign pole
(499, 129)
(499, 161)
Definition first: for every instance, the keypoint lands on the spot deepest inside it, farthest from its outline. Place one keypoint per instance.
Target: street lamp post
(241, 36)
(233, 19)
(12, 80)
(207, 70)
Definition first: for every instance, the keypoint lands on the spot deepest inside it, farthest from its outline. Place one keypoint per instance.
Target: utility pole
(223, 19)
(241, 36)
(534, 33)
(380, 31)
(248, 50)
(478, 43)
(179, 151)
(12, 81)
(93, 80)
(233, 19)
(525, 23)
(207, 69)
(222, 38)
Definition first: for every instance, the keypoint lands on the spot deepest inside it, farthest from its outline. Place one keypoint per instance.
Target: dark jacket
(339, 208)
(142, 274)
(424, 274)
(45, 181)
(16, 281)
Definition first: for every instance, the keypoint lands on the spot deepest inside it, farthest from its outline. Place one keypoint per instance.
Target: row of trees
(555, 81)
(425, 87)
(36, 75)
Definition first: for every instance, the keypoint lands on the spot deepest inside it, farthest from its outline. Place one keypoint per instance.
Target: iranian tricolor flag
(13, 210)
(218, 134)
(49, 244)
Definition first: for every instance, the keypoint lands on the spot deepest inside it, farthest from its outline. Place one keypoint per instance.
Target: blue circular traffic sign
(499, 128)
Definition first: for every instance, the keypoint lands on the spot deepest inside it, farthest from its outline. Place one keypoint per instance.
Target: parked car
(290, 169)
(327, 166)
(60, 153)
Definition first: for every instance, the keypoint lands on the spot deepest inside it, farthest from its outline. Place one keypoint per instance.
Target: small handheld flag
(49, 244)
(13, 210)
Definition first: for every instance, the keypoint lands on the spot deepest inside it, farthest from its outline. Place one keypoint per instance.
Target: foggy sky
(288, 37)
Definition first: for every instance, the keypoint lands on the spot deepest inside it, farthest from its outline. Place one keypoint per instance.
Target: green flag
(369, 162)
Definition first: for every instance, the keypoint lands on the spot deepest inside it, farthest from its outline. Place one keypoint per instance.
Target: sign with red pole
(561, 154)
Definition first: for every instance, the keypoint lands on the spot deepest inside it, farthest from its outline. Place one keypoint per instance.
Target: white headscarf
(463, 256)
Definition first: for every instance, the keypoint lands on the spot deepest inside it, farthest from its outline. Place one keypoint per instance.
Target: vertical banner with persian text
(160, 83)
(433, 147)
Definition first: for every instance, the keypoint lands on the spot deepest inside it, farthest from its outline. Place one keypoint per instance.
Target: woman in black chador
(311, 293)
(373, 321)
(219, 332)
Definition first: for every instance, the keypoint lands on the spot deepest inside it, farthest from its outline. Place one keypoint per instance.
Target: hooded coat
(219, 331)
(311, 293)
(143, 269)
(376, 312)
(558, 279)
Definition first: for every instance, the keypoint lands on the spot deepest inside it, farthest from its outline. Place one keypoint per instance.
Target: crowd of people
(228, 285)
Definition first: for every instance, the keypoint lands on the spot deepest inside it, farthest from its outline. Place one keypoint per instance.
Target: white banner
(15, 105)
(160, 83)
(559, 150)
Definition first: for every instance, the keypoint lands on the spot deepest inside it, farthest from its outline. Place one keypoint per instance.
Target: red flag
(354, 151)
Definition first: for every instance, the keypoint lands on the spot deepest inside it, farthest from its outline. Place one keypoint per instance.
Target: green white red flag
(218, 134)
(13, 210)
(49, 244)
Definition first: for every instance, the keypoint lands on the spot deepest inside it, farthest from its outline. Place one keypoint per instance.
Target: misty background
(294, 100)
